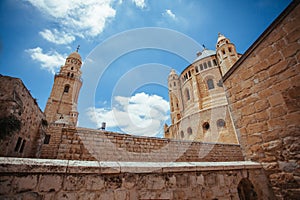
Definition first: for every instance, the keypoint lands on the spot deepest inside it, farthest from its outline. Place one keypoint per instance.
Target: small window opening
(174, 83)
(205, 65)
(209, 63)
(22, 146)
(196, 68)
(72, 68)
(205, 126)
(210, 84)
(189, 73)
(215, 62)
(189, 131)
(47, 139)
(223, 52)
(229, 49)
(68, 74)
(17, 147)
(72, 75)
(182, 134)
(201, 67)
(221, 123)
(67, 87)
(187, 94)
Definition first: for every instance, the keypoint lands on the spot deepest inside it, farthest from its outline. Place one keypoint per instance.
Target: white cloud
(170, 14)
(50, 61)
(141, 114)
(57, 37)
(83, 18)
(139, 3)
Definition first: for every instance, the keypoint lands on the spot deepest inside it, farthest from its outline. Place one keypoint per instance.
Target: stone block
(154, 182)
(66, 195)
(120, 194)
(5, 184)
(276, 99)
(94, 183)
(74, 183)
(261, 105)
(25, 183)
(277, 111)
(50, 183)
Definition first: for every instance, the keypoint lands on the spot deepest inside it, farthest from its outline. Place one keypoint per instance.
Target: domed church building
(198, 105)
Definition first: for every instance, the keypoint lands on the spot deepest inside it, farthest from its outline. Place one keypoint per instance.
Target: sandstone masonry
(263, 90)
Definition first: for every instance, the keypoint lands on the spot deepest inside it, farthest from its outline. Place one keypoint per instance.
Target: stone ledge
(29, 165)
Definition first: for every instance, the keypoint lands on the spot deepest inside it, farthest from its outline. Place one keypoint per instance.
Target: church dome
(75, 54)
(205, 53)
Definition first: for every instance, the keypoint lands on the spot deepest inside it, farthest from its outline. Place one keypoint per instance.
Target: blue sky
(128, 48)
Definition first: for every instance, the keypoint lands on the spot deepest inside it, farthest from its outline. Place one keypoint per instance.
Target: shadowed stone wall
(17, 106)
(263, 90)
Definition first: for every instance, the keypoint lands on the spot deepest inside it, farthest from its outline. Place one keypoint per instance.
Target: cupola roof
(205, 53)
(220, 37)
(75, 54)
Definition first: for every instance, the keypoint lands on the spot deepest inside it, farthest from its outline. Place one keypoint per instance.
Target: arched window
(174, 83)
(68, 74)
(205, 126)
(221, 123)
(205, 65)
(209, 63)
(72, 68)
(201, 67)
(72, 75)
(178, 117)
(66, 89)
(210, 84)
(182, 134)
(187, 94)
(189, 131)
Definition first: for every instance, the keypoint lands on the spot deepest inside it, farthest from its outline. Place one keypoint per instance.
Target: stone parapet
(72, 179)
(90, 144)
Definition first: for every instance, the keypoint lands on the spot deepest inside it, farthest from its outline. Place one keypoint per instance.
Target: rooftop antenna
(77, 48)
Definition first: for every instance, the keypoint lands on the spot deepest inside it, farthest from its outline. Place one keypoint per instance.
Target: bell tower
(226, 53)
(61, 108)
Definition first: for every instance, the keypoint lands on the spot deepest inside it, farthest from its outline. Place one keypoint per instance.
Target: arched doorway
(246, 190)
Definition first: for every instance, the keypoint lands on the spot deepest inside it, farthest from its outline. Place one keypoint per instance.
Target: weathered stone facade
(263, 90)
(59, 179)
(90, 144)
(198, 103)
(19, 111)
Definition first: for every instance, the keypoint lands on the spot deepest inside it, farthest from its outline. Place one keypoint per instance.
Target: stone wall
(67, 179)
(17, 106)
(90, 144)
(263, 90)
